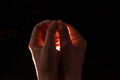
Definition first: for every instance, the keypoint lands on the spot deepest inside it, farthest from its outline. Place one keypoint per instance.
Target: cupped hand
(73, 47)
(50, 63)
(43, 50)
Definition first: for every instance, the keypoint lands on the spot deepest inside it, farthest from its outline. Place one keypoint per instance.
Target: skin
(45, 56)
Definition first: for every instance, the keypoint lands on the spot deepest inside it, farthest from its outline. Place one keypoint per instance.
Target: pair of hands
(45, 56)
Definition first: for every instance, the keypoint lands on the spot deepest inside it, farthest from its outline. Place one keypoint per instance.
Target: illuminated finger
(64, 34)
(75, 36)
(50, 34)
(37, 33)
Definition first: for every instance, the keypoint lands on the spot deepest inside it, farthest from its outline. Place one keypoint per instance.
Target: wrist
(47, 78)
(73, 76)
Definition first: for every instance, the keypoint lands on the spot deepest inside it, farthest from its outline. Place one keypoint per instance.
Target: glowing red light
(57, 41)
(72, 32)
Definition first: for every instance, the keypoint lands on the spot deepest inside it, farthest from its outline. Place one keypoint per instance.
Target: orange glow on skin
(74, 36)
(57, 41)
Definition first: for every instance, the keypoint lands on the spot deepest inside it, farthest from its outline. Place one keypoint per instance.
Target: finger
(76, 37)
(50, 34)
(64, 34)
(37, 34)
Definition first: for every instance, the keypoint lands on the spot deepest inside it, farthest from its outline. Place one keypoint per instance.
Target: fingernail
(53, 23)
(60, 22)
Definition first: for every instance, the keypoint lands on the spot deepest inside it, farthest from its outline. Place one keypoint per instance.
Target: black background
(98, 22)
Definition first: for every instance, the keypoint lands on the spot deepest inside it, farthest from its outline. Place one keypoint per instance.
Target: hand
(73, 47)
(44, 52)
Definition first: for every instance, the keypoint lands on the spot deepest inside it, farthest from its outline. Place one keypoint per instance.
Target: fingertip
(38, 25)
(62, 27)
(52, 23)
(50, 34)
(64, 33)
(37, 33)
(59, 21)
(52, 26)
